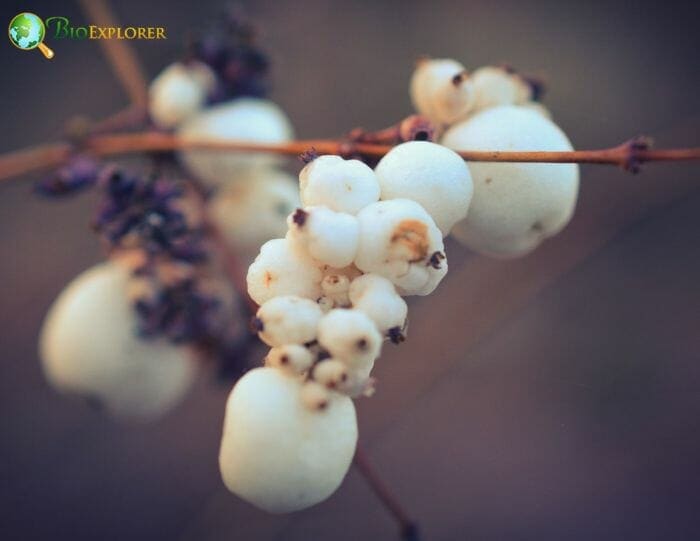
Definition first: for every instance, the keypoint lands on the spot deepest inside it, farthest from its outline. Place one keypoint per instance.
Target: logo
(27, 32)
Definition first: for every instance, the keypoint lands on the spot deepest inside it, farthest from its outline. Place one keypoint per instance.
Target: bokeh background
(551, 397)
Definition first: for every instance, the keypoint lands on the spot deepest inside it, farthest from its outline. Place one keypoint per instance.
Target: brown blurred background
(553, 397)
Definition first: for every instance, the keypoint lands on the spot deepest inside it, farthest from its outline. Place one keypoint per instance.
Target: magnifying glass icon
(27, 32)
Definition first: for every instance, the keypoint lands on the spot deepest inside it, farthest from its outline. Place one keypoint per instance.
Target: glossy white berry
(280, 269)
(331, 373)
(295, 358)
(278, 453)
(515, 205)
(327, 236)
(243, 120)
(338, 184)
(376, 297)
(288, 319)
(89, 347)
(431, 174)
(441, 90)
(351, 336)
(254, 208)
(400, 241)
(178, 92)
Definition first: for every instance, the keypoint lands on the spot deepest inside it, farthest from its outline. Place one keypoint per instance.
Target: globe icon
(27, 32)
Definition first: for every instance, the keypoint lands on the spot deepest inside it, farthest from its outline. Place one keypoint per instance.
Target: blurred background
(551, 397)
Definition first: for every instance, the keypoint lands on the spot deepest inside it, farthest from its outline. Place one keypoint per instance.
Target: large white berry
(431, 174)
(515, 205)
(288, 319)
(280, 269)
(89, 347)
(254, 208)
(351, 336)
(376, 296)
(341, 185)
(441, 90)
(251, 120)
(400, 241)
(276, 452)
(327, 236)
(178, 92)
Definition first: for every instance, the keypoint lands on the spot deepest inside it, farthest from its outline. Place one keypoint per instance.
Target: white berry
(400, 241)
(431, 174)
(279, 269)
(240, 120)
(441, 90)
(295, 358)
(254, 208)
(351, 336)
(331, 373)
(276, 452)
(178, 92)
(495, 86)
(288, 319)
(329, 237)
(376, 297)
(341, 185)
(515, 205)
(89, 347)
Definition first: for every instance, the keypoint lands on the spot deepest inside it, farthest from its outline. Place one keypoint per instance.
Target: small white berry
(331, 373)
(495, 86)
(441, 90)
(287, 319)
(279, 269)
(242, 120)
(327, 236)
(338, 184)
(376, 296)
(314, 396)
(292, 357)
(430, 174)
(515, 205)
(351, 336)
(276, 452)
(400, 241)
(178, 92)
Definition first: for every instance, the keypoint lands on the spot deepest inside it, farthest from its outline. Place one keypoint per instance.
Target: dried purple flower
(79, 173)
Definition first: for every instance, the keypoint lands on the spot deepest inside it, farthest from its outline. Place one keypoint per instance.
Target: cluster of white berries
(515, 205)
(330, 293)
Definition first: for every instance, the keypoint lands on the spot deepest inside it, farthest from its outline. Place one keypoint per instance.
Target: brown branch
(408, 528)
(629, 155)
(121, 56)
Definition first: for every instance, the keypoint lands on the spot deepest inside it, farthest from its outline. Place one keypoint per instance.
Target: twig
(408, 528)
(629, 155)
(123, 60)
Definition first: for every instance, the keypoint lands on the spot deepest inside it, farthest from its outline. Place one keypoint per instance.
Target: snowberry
(329, 237)
(331, 373)
(400, 241)
(293, 357)
(242, 120)
(441, 90)
(315, 396)
(341, 185)
(515, 205)
(376, 297)
(431, 174)
(494, 86)
(178, 92)
(254, 208)
(276, 452)
(287, 320)
(279, 269)
(351, 336)
(89, 347)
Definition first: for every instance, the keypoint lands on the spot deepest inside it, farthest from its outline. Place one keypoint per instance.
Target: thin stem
(628, 155)
(408, 528)
(122, 58)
